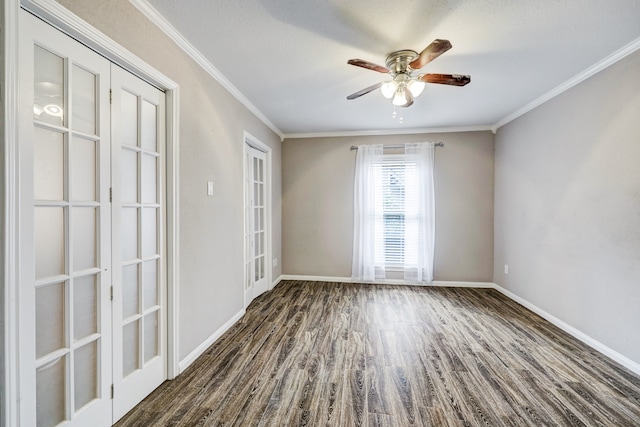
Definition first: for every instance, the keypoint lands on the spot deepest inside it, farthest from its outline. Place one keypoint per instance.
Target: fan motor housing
(398, 61)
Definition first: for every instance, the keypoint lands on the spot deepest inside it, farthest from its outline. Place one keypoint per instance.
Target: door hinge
(111, 293)
(110, 96)
(110, 194)
(112, 392)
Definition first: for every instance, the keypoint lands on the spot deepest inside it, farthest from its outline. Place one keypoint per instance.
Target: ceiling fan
(404, 86)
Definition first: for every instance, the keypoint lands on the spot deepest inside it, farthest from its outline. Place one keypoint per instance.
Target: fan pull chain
(395, 115)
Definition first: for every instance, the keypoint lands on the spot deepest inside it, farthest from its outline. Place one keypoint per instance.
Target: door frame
(70, 24)
(252, 141)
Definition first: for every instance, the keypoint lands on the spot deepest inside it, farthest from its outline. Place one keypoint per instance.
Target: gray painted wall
(211, 143)
(567, 207)
(317, 199)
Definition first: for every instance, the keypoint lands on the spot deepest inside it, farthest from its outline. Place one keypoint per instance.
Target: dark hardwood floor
(375, 355)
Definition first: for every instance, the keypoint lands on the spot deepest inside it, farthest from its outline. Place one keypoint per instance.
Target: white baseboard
(593, 343)
(333, 279)
(184, 363)
(275, 282)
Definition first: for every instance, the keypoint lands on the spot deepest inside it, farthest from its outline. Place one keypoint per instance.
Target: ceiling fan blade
(431, 52)
(446, 79)
(368, 65)
(365, 91)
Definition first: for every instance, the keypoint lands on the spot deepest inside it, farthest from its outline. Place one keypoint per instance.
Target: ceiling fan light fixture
(404, 86)
(388, 89)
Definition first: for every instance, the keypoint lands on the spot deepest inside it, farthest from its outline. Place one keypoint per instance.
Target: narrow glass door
(139, 349)
(255, 224)
(65, 273)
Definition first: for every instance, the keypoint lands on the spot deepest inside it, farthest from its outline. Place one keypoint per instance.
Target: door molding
(252, 141)
(72, 25)
(9, 416)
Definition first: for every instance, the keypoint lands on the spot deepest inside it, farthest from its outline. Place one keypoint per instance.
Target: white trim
(10, 85)
(591, 342)
(255, 143)
(184, 363)
(276, 282)
(152, 14)
(69, 23)
(388, 132)
(440, 283)
(578, 78)
(173, 229)
(245, 220)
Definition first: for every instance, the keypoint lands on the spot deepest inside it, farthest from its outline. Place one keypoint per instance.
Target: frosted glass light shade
(388, 89)
(402, 98)
(416, 87)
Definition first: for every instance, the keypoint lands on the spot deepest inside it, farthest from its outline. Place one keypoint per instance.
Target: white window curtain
(367, 201)
(394, 211)
(419, 214)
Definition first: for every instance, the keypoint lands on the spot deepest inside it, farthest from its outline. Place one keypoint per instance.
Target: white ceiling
(288, 58)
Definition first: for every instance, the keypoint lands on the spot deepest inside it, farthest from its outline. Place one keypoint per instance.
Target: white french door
(256, 281)
(139, 347)
(76, 248)
(65, 231)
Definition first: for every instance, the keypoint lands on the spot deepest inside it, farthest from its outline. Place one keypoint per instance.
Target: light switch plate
(209, 188)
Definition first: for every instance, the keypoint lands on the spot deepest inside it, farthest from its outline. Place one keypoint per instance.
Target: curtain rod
(437, 144)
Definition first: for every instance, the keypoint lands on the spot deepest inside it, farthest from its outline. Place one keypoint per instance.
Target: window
(394, 213)
(395, 179)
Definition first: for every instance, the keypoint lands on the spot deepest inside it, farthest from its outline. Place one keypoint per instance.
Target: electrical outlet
(275, 262)
(506, 269)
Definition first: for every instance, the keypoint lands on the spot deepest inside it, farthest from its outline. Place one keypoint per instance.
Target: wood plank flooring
(328, 354)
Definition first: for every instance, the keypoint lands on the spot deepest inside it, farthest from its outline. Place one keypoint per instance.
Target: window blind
(395, 212)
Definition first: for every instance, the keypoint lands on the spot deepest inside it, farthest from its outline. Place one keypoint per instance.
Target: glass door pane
(49, 89)
(83, 101)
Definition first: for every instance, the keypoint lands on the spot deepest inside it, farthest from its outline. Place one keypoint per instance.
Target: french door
(139, 346)
(91, 282)
(256, 281)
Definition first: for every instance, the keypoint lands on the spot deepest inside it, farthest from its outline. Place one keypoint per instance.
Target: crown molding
(389, 132)
(154, 16)
(578, 78)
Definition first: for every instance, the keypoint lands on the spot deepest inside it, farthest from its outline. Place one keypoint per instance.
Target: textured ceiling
(289, 57)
